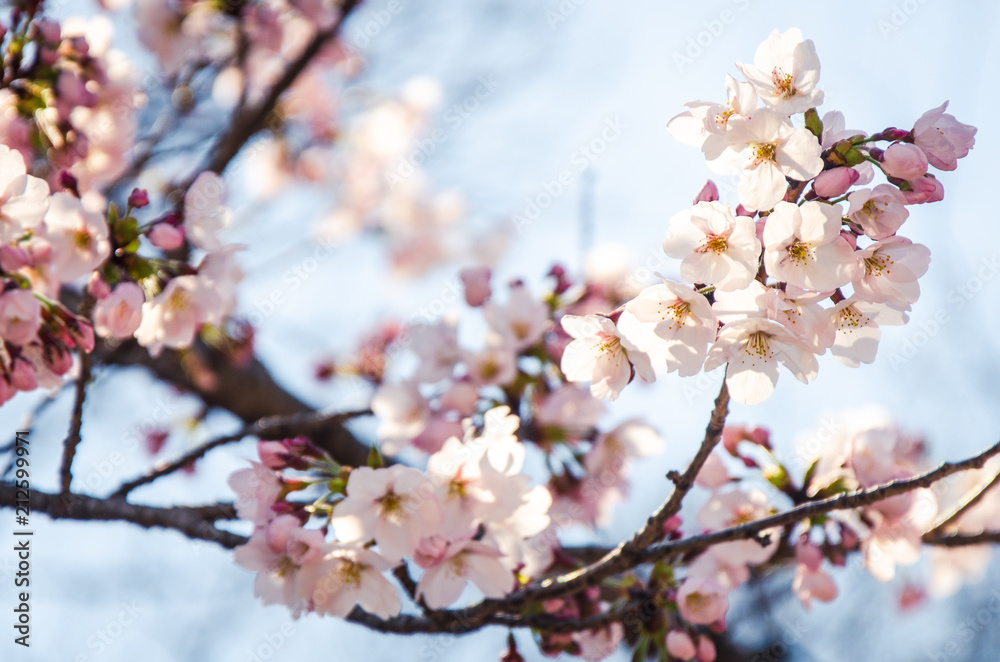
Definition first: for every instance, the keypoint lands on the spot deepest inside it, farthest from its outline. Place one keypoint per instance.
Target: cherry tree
(486, 453)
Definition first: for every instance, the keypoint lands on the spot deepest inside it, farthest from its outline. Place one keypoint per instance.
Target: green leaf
(810, 474)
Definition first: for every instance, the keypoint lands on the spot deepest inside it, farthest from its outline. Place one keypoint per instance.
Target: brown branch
(75, 424)
(962, 508)
(250, 121)
(196, 522)
(964, 539)
(275, 427)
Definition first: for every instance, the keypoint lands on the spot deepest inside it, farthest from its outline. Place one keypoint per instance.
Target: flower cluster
(760, 273)
(470, 518)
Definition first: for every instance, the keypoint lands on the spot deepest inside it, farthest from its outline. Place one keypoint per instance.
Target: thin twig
(274, 427)
(938, 529)
(75, 425)
(964, 539)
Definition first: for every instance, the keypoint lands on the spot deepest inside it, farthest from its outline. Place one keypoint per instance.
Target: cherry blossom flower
(803, 246)
(923, 190)
(349, 576)
(569, 409)
(704, 121)
(257, 488)
(857, 323)
(23, 198)
(785, 72)
(204, 214)
(596, 645)
(767, 148)
(680, 645)
(796, 309)
(753, 348)
(598, 354)
(436, 346)
(888, 271)
(880, 211)
(166, 237)
(715, 246)
(943, 138)
(494, 364)
(702, 600)
(670, 322)
(521, 321)
(395, 506)
(118, 315)
(174, 316)
(732, 508)
(20, 316)
(461, 563)
(809, 585)
(402, 410)
(79, 238)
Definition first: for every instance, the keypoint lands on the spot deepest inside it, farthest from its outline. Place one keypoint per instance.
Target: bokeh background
(562, 71)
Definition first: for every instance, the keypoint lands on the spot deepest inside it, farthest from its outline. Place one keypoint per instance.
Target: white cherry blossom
(598, 354)
(716, 246)
(803, 246)
(785, 72)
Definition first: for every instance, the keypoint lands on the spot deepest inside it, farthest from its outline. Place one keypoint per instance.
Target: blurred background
(550, 77)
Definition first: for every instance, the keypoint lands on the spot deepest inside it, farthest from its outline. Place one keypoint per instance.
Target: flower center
(179, 300)
(782, 83)
(714, 243)
(851, 318)
(800, 252)
(759, 343)
(871, 209)
(876, 264)
(763, 152)
(392, 506)
(81, 239)
(722, 119)
(350, 573)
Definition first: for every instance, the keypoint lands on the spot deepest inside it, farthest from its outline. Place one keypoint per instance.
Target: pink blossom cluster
(760, 273)
(70, 109)
(470, 518)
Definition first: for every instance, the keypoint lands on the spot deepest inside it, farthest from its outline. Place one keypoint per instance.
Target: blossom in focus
(803, 246)
(753, 348)
(599, 355)
(785, 72)
(715, 246)
(395, 506)
(765, 149)
(879, 211)
(943, 138)
(670, 322)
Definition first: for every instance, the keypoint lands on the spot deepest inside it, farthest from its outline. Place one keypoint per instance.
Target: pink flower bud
(22, 376)
(904, 161)
(138, 199)
(708, 193)
(706, 649)
(851, 239)
(166, 237)
(680, 645)
(835, 182)
(272, 454)
(97, 286)
(476, 281)
(13, 257)
(925, 189)
(58, 359)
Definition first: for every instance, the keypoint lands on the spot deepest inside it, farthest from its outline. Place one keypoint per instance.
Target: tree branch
(250, 121)
(196, 522)
(75, 424)
(274, 427)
